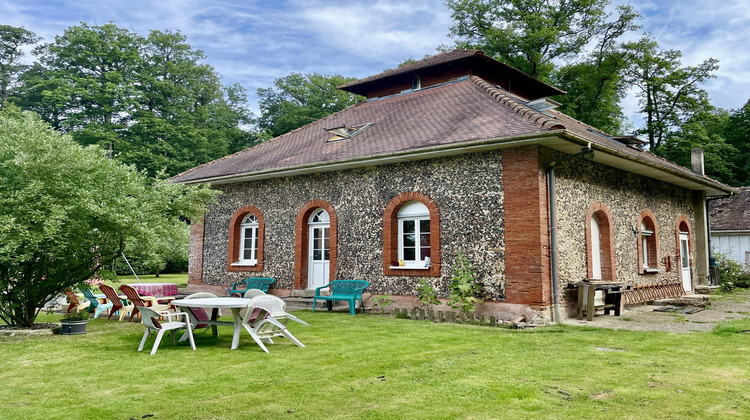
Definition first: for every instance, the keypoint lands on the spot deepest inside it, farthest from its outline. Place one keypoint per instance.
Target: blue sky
(254, 42)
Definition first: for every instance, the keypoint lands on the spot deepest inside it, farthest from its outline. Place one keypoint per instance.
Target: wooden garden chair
(75, 302)
(138, 301)
(117, 303)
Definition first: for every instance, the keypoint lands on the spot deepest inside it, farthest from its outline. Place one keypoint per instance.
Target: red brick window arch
(600, 243)
(411, 236)
(648, 243)
(246, 232)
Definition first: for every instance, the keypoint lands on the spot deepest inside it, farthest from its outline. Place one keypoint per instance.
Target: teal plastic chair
(96, 305)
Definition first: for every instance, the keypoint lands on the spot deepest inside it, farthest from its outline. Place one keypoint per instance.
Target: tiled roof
(448, 115)
(444, 60)
(731, 213)
(443, 115)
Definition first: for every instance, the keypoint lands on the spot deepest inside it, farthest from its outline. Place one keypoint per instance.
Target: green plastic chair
(96, 305)
(261, 283)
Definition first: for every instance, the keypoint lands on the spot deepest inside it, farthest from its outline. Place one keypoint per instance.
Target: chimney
(696, 161)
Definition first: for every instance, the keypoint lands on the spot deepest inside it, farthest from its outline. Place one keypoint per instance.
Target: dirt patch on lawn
(644, 317)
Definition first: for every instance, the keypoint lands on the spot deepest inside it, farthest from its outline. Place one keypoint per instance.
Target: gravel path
(644, 318)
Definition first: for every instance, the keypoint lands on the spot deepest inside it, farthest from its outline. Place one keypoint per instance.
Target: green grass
(179, 278)
(382, 368)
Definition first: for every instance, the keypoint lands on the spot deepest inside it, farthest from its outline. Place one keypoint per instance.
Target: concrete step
(706, 290)
(700, 301)
(294, 303)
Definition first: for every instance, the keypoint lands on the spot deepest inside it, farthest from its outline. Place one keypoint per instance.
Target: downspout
(587, 153)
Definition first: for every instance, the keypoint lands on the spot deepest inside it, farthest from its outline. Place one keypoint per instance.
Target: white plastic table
(235, 304)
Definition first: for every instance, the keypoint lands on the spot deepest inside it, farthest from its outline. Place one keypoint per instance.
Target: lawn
(370, 366)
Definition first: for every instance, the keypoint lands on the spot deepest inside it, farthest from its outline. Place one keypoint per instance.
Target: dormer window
(345, 131)
(416, 84)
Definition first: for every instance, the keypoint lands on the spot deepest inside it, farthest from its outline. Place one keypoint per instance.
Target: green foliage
(731, 273)
(299, 99)
(575, 44)
(703, 129)
(12, 41)
(426, 294)
(737, 134)
(669, 92)
(67, 212)
(382, 301)
(76, 316)
(464, 289)
(149, 100)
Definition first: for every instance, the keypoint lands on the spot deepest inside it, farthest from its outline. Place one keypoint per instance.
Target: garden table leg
(237, 327)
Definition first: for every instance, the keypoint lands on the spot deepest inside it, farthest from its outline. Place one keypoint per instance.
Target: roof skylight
(345, 131)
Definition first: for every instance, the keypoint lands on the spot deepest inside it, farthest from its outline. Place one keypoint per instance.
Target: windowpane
(409, 239)
(424, 226)
(424, 239)
(327, 243)
(409, 226)
(316, 233)
(248, 254)
(326, 254)
(409, 254)
(425, 252)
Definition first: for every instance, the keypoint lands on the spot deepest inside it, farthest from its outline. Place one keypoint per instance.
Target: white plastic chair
(269, 320)
(152, 323)
(200, 318)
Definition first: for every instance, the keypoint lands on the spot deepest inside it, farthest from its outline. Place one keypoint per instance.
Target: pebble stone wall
(579, 183)
(467, 189)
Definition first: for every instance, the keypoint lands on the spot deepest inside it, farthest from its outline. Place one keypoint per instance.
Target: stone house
(453, 153)
(730, 226)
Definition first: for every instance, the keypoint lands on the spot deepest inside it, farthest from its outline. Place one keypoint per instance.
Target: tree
(67, 211)
(703, 129)
(669, 93)
(12, 39)
(737, 133)
(149, 100)
(574, 44)
(299, 99)
(527, 34)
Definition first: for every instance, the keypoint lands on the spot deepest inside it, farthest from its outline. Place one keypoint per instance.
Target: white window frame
(252, 226)
(645, 235)
(413, 211)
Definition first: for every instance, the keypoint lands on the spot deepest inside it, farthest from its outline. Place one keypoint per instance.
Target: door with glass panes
(319, 249)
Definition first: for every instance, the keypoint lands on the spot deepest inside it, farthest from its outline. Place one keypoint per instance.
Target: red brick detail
(301, 242)
(683, 225)
(647, 217)
(527, 272)
(606, 241)
(233, 255)
(195, 254)
(390, 235)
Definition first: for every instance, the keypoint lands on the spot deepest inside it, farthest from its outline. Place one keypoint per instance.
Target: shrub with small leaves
(464, 289)
(426, 294)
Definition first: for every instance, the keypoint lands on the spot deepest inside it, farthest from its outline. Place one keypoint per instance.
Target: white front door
(596, 250)
(319, 249)
(687, 284)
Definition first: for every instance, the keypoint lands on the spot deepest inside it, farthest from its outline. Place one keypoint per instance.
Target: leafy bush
(426, 294)
(730, 273)
(382, 301)
(464, 289)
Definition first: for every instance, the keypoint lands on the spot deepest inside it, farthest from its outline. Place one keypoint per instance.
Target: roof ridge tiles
(535, 116)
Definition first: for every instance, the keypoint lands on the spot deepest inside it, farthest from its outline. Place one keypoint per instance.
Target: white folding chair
(265, 318)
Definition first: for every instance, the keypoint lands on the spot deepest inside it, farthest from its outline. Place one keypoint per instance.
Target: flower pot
(73, 327)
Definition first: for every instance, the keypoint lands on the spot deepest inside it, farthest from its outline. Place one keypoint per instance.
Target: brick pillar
(195, 255)
(527, 273)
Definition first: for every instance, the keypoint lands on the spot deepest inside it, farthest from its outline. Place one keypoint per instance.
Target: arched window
(414, 235)
(600, 255)
(411, 237)
(648, 243)
(249, 241)
(245, 251)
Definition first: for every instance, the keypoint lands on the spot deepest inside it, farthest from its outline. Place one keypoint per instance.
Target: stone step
(706, 290)
(700, 301)
(294, 303)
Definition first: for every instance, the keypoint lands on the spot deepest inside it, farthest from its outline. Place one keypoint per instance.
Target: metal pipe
(588, 153)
